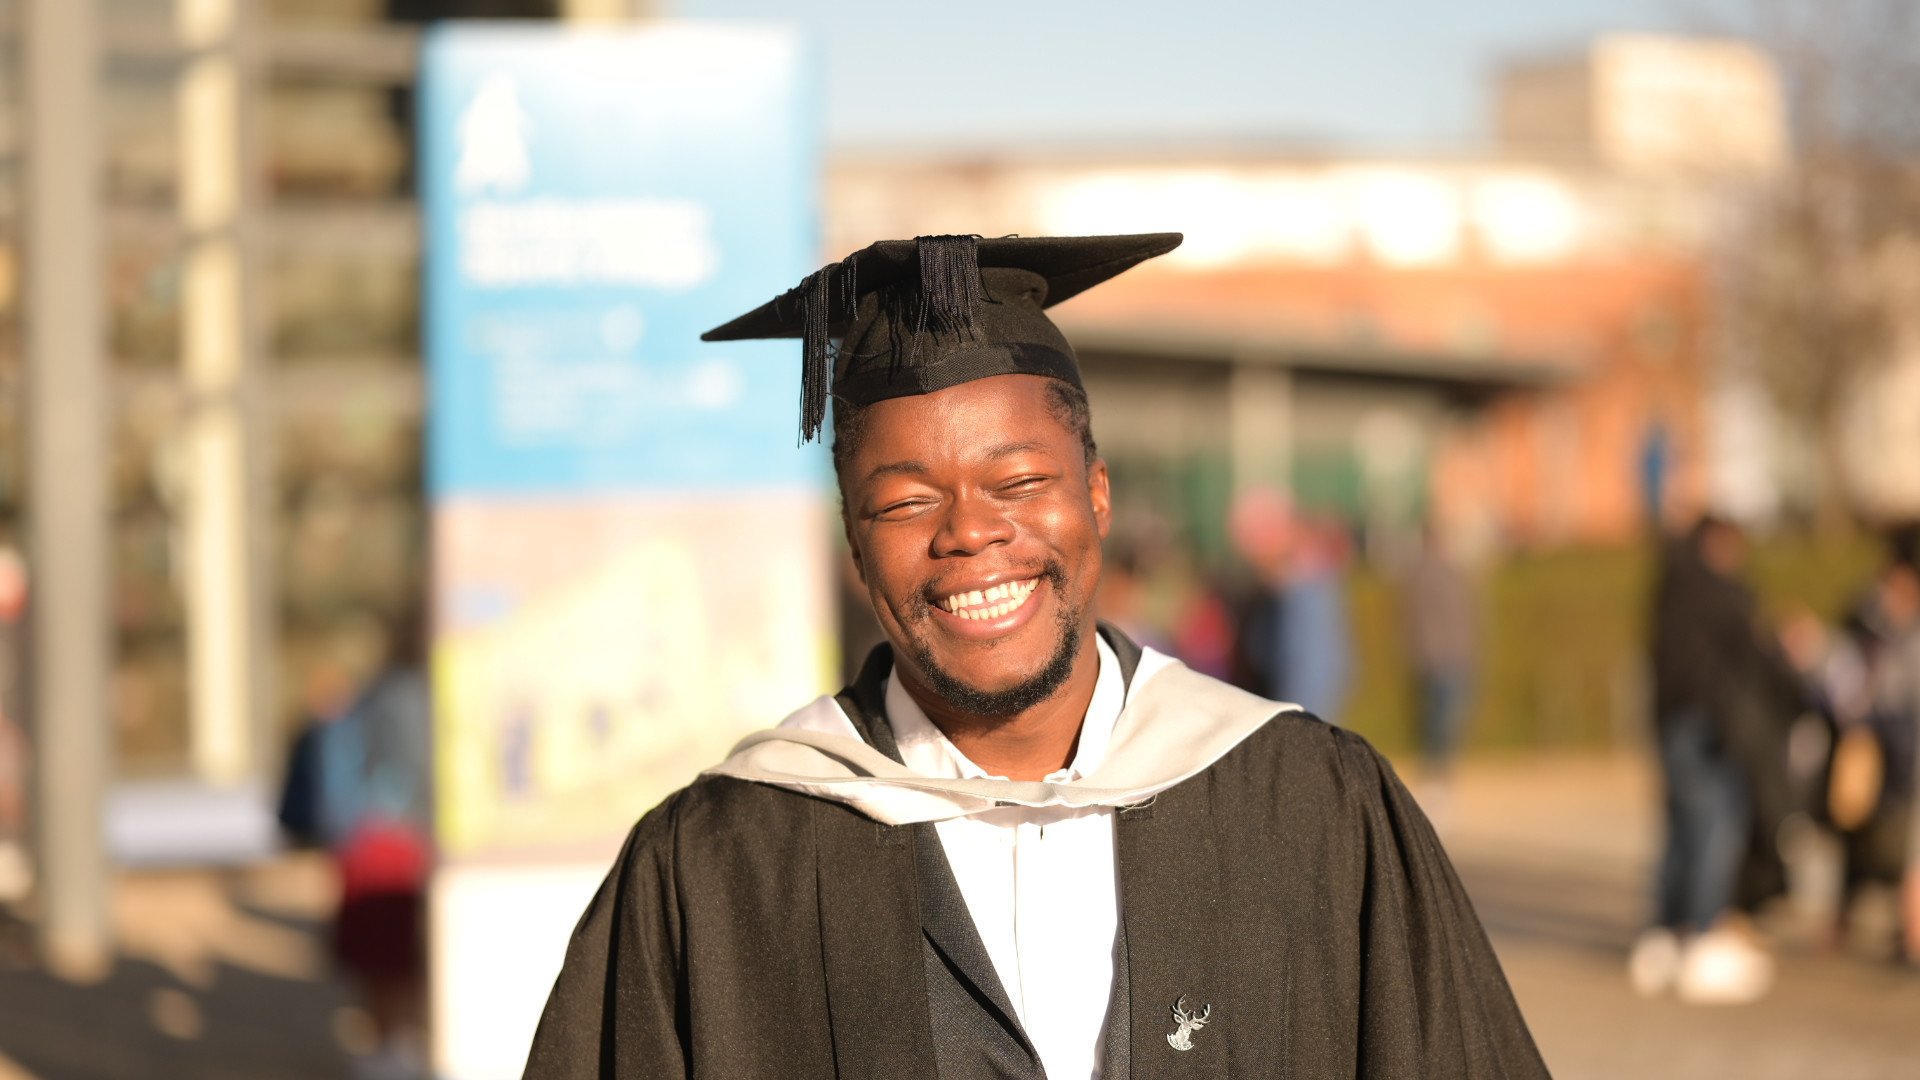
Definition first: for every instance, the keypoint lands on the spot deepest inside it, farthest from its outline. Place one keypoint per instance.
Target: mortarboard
(916, 316)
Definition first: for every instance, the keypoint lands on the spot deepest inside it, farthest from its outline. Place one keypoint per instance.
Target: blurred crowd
(1789, 756)
(1280, 623)
(1787, 743)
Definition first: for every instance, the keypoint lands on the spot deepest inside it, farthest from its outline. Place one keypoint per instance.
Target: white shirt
(1039, 883)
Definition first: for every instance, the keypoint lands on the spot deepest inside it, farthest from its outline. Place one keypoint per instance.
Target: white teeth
(992, 602)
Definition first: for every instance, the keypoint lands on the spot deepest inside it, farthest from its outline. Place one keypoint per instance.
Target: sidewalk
(221, 977)
(1557, 854)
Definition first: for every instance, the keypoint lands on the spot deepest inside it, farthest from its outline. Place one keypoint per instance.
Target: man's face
(976, 525)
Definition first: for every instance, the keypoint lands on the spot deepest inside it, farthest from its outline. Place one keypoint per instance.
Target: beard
(964, 697)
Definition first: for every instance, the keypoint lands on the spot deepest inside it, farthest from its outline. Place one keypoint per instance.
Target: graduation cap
(916, 316)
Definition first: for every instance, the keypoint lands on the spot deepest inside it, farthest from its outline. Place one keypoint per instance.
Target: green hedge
(1564, 640)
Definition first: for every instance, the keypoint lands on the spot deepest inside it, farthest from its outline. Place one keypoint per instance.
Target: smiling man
(1019, 845)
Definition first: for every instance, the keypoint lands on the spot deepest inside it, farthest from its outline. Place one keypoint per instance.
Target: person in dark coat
(1720, 723)
(1018, 845)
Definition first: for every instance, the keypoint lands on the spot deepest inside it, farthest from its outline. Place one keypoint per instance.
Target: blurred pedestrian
(1292, 640)
(1122, 601)
(1261, 525)
(360, 783)
(1442, 624)
(1705, 637)
(1897, 718)
(1865, 680)
(16, 870)
(1203, 630)
(1441, 621)
(1316, 639)
(1889, 842)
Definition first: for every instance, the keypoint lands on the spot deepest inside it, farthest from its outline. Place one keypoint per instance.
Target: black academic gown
(1293, 888)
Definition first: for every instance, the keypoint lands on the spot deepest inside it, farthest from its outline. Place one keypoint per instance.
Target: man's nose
(972, 525)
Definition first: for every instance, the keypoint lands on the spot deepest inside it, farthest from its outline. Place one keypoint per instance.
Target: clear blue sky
(1369, 74)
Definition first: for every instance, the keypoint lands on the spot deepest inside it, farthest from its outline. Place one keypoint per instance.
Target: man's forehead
(975, 417)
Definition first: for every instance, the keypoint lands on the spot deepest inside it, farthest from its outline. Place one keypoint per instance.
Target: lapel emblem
(1189, 1022)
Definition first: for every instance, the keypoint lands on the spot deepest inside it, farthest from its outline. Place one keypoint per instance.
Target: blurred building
(1519, 341)
(1649, 106)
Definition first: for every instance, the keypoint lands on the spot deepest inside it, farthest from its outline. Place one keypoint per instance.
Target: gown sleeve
(1434, 1000)
(614, 1010)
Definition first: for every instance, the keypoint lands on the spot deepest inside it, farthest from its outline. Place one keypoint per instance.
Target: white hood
(1176, 723)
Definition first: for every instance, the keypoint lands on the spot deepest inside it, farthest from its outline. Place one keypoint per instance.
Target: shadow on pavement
(144, 1022)
(1587, 909)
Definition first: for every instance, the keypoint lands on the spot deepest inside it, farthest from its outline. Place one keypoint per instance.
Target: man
(1441, 630)
(1018, 845)
(1722, 755)
(1292, 641)
(1441, 616)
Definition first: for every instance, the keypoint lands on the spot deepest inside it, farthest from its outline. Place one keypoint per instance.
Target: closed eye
(902, 508)
(1023, 485)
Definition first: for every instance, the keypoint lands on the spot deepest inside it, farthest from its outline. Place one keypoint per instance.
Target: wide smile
(991, 602)
(991, 611)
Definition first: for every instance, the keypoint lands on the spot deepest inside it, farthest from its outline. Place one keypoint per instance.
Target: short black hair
(1067, 403)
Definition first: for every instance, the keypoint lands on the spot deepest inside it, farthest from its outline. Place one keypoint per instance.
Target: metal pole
(67, 492)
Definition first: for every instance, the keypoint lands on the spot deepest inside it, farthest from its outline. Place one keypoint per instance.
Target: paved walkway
(1556, 856)
(221, 977)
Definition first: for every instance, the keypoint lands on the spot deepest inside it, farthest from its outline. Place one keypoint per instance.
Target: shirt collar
(925, 750)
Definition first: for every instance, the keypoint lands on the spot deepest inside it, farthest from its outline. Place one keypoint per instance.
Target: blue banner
(609, 614)
(593, 201)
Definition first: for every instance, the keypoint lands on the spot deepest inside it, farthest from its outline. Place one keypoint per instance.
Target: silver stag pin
(1189, 1022)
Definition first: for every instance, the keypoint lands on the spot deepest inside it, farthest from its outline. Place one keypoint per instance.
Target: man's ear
(1100, 495)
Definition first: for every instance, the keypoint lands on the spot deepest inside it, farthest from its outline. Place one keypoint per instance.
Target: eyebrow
(1005, 450)
(897, 468)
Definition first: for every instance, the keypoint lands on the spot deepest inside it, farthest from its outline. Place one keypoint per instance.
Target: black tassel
(816, 358)
(850, 283)
(816, 347)
(950, 289)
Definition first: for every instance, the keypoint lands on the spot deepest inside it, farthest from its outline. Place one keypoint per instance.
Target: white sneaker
(1721, 967)
(1654, 962)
